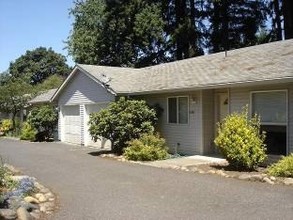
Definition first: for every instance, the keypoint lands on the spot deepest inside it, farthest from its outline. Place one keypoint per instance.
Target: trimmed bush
(6, 125)
(240, 140)
(147, 148)
(283, 168)
(122, 121)
(28, 132)
(44, 119)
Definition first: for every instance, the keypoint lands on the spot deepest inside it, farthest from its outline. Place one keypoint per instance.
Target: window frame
(177, 110)
(271, 91)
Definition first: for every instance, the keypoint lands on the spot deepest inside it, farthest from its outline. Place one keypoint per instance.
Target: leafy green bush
(122, 121)
(283, 167)
(240, 140)
(44, 119)
(147, 148)
(6, 125)
(28, 132)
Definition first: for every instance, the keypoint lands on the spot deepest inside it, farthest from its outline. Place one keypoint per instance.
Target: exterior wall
(83, 90)
(208, 121)
(239, 97)
(183, 138)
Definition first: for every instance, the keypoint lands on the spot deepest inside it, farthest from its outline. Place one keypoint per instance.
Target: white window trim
(177, 106)
(270, 91)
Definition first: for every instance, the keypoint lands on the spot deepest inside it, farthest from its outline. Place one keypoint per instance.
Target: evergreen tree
(234, 24)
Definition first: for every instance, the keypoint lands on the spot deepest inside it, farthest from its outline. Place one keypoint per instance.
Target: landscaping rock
(273, 178)
(19, 178)
(288, 181)
(31, 199)
(268, 180)
(29, 206)
(257, 177)
(49, 195)
(244, 176)
(7, 214)
(12, 169)
(23, 214)
(36, 214)
(41, 197)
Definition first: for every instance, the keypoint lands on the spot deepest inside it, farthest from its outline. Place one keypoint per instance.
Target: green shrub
(283, 167)
(240, 140)
(147, 148)
(122, 121)
(28, 132)
(44, 119)
(6, 126)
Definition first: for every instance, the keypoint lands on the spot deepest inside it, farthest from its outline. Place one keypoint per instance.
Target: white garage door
(104, 143)
(72, 124)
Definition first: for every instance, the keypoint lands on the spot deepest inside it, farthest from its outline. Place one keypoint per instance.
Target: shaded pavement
(91, 187)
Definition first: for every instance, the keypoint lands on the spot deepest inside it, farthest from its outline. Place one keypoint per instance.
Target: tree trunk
(277, 20)
(288, 18)
(225, 30)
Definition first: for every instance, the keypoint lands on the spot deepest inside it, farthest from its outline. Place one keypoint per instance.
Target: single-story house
(194, 94)
(43, 98)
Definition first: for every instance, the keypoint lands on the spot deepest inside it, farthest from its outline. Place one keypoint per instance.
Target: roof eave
(76, 68)
(213, 86)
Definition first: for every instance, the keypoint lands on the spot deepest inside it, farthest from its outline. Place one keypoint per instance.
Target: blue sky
(28, 24)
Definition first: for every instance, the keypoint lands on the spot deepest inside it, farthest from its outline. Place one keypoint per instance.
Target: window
(271, 106)
(178, 110)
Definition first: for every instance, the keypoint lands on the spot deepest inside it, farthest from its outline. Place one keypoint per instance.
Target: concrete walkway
(186, 161)
(90, 187)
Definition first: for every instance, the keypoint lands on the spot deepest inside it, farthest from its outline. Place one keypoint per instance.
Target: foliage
(5, 178)
(44, 119)
(240, 140)
(14, 96)
(234, 24)
(37, 65)
(24, 188)
(148, 147)
(283, 167)
(146, 32)
(51, 82)
(116, 32)
(6, 125)
(122, 121)
(28, 132)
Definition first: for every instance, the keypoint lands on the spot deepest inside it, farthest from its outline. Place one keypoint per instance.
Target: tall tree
(14, 95)
(38, 64)
(234, 24)
(117, 33)
(288, 18)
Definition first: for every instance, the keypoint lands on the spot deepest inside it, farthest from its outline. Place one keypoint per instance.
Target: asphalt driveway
(90, 187)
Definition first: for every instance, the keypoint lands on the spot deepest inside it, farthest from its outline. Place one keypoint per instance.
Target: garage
(71, 124)
(91, 108)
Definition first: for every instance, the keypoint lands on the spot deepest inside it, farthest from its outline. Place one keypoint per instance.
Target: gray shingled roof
(43, 97)
(266, 62)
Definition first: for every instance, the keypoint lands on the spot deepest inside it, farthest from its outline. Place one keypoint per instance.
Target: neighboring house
(43, 98)
(194, 93)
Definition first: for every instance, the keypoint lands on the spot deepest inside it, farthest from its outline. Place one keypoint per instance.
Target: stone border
(261, 177)
(35, 206)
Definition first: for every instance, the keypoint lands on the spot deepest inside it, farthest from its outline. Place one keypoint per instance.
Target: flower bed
(22, 197)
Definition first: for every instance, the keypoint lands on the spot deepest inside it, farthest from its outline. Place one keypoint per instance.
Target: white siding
(208, 117)
(84, 90)
(103, 143)
(239, 97)
(71, 126)
(185, 137)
